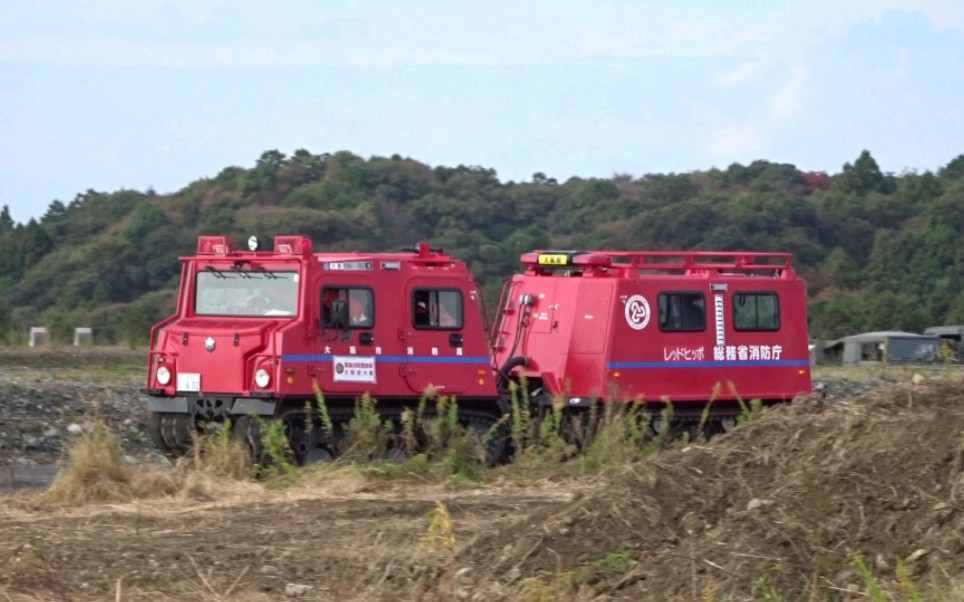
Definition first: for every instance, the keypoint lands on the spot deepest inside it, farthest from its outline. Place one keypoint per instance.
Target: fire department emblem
(209, 343)
(637, 312)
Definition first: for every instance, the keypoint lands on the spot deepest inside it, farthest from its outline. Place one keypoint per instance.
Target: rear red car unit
(686, 326)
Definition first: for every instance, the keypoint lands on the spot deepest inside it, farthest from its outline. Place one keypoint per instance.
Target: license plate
(189, 381)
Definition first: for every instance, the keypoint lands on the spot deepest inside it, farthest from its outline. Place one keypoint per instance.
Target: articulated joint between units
(510, 364)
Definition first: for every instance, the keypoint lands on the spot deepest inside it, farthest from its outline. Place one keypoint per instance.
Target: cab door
(345, 360)
(435, 351)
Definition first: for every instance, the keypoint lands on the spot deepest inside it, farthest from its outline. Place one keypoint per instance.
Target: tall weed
(219, 455)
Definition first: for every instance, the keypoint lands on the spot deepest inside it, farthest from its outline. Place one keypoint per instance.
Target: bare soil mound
(782, 507)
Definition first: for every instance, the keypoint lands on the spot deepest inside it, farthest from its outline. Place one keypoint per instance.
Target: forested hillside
(879, 251)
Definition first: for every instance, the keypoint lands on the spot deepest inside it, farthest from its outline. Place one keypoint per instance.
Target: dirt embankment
(784, 504)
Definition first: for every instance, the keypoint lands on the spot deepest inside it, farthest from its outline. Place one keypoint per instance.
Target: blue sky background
(110, 94)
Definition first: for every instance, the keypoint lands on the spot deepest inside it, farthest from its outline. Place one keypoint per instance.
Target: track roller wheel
(247, 431)
(175, 433)
(155, 426)
(493, 440)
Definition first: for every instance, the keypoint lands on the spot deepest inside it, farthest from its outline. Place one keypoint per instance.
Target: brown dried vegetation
(786, 507)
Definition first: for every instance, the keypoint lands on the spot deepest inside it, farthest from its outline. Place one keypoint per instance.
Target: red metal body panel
(591, 327)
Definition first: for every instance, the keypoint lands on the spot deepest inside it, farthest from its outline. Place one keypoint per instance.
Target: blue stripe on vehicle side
(721, 364)
(441, 360)
(390, 359)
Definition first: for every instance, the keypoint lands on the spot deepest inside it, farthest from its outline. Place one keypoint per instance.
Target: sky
(112, 94)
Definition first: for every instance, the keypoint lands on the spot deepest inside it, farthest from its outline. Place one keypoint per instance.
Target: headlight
(163, 375)
(262, 378)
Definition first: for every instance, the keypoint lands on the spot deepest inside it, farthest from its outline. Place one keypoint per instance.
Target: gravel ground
(48, 397)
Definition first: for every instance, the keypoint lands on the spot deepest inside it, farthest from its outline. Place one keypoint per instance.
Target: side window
(347, 307)
(684, 312)
(756, 311)
(437, 309)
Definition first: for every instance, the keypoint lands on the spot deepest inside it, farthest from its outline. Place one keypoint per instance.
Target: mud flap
(171, 405)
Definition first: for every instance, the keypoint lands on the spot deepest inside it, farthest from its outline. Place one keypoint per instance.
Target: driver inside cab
(358, 313)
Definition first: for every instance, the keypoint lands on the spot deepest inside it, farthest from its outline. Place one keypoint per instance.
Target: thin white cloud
(736, 142)
(218, 34)
(785, 103)
(835, 15)
(215, 33)
(749, 71)
(750, 135)
(112, 52)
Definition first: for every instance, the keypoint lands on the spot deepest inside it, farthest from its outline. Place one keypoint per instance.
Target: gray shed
(886, 346)
(953, 335)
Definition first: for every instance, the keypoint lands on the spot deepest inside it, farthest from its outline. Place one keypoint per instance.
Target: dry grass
(888, 373)
(95, 471)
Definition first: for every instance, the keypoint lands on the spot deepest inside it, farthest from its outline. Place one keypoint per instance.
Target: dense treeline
(879, 251)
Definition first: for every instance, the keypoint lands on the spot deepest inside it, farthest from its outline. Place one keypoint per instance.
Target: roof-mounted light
(561, 259)
(253, 243)
(424, 249)
(293, 245)
(214, 245)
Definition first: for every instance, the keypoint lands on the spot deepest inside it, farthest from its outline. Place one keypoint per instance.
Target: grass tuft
(95, 470)
(218, 455)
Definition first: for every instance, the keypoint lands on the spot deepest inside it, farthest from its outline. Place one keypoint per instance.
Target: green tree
(136, 323)
(6, 221)
(7, 323)
(32, 243)
(889, 310)
(218, 218)
(145, 218)
(955, 312)
(60, 325)
(954, 170)
(862, 176)
(835, 315)
(842, 269)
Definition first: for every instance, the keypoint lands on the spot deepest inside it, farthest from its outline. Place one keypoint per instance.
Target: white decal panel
(747, 353)
(720, 317)
(353, 369)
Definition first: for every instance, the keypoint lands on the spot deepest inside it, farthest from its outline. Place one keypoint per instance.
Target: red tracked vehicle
(687, 326)
(256, 331)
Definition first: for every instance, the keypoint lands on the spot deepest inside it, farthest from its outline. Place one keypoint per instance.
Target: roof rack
(624, 262)
(688, 260)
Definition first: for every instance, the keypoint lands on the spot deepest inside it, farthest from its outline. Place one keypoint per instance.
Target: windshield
(235, 292)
